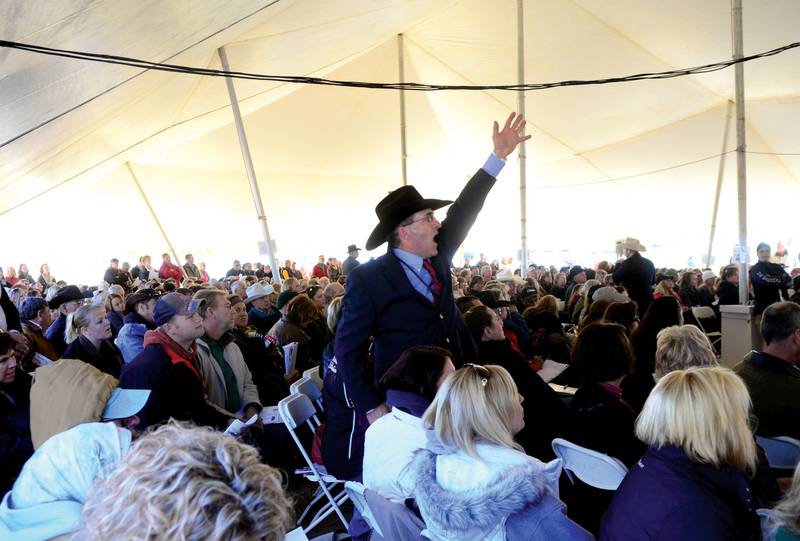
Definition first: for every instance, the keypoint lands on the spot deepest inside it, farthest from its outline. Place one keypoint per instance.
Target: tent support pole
(741, 157)
(720, 175)
(523, 197)
(402, 76)
(248, 165)
(155, 218)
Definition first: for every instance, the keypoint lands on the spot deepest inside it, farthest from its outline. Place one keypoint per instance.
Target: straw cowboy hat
(633, 244)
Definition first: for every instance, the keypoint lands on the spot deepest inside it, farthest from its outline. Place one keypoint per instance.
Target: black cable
(32, 48)
(175, 68)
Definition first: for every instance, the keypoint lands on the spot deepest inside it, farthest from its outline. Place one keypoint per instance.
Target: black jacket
(10, 311)
(381, 302)
(107, 359)
(545, 414)
(176, 390)
(637, 274)
(769, 281)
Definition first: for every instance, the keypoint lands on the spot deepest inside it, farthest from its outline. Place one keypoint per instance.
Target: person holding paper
(300, 312)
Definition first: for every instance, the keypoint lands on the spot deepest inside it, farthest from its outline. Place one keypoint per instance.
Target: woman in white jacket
(473, 482)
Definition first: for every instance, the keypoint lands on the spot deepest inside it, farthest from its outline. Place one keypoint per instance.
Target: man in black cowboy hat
(405, 297)
(67, 300)
(351, 262)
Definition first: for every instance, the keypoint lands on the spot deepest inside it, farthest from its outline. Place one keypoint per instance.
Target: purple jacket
(667, 496)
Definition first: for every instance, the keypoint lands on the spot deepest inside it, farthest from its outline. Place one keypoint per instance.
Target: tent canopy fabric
(324, 156)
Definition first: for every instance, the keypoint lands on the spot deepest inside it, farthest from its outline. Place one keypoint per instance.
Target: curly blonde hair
(181, 482)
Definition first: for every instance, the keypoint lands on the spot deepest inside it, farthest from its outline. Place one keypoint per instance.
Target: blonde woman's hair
(475, 403)
(787, 511)
(79, 320)
(682, 347)
(704, 411)
(180, 483)
(334, 311)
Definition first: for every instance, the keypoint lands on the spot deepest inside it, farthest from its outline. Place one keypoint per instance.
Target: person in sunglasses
(405, 297)
(473, 482)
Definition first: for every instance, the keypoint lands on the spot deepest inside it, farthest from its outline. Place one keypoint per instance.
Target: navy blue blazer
(380, 302)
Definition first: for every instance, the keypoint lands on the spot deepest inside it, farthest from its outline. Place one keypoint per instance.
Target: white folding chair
(307, 387)
(593, 468)
(706, 312)
(355, 491)
(783, 452)
(297, 410)
(313, 373)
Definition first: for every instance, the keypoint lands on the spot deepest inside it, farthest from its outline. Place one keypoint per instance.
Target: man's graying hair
(779, 321)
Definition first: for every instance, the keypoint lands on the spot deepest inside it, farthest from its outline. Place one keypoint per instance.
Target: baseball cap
(174, 304)
(125, 403)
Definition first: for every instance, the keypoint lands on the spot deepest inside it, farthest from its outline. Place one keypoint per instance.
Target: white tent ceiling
(324, 156)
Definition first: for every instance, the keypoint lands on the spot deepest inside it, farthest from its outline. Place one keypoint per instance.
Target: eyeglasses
(480, 371)
(428, 217)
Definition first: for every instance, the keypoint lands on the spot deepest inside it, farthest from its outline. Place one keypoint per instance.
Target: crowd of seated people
(469, 445)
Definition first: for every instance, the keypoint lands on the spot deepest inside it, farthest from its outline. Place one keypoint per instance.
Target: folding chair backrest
(307, 387)
(593, 468)
(297, 409)
(703, 312)
(783, 452)
(357, 493)
(313, 374)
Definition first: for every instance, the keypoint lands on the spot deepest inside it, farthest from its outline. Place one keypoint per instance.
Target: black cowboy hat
(66, 294)
(396, 207)
(142, 295)
(353, 248)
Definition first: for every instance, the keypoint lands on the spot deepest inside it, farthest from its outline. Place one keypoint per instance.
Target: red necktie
(436, 285)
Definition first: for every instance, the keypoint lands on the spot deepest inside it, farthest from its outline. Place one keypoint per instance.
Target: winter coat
(637, 274)
(769, 281)
(170, 270)
(263, 321)
(130, 339)
(667, 496)
(191, 270)
(214, 381)
(107, 358)
(39, 344)
(175, 381)
(285, 332)
(506, 495)
(55, 333)
(15, 427)
(602, 422)
(266, 364)
(349, 264)
(9, 311)
(545, 414)
(728, 293)
(390, 443)
(774, 387)
(65, 394)
(117, 321)
(116, 276)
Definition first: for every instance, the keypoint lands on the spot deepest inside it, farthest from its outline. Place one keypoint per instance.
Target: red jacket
(320, 270)
(169, 270)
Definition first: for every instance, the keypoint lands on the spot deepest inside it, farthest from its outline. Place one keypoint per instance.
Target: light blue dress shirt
(418, 277)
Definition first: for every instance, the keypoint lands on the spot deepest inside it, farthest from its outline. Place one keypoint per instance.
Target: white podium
(740, 333)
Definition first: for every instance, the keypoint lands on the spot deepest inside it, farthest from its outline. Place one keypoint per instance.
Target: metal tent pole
(248, 165)
(402, 76)
(741, 157)
(523, 198)
(155, 218)
(720, 175)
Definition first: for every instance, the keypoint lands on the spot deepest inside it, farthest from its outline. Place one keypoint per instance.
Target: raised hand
(506, 141)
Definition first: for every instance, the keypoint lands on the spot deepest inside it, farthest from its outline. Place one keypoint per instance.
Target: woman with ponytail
(87, 335)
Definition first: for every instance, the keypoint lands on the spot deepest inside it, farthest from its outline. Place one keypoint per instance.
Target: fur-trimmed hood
(479, 509)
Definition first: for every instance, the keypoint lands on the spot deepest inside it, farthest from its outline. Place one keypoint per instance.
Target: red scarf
(176, 353)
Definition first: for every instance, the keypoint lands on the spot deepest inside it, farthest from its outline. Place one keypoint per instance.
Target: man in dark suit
(636, 274)
(405, 297)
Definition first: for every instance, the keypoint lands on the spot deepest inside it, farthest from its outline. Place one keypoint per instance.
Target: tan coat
(66, 394)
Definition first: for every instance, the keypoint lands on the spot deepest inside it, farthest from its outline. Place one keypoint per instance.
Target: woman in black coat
(88, 335)
(545, 414)
(15, 424)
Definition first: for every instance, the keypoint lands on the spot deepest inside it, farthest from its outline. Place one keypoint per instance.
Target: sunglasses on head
(480, 371)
